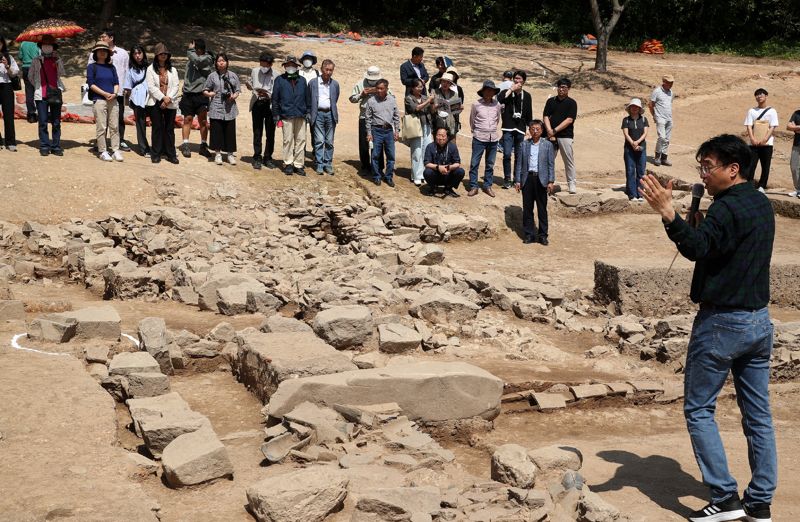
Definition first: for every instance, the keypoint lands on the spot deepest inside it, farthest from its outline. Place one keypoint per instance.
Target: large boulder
(344, 326)
(102, 322)
(440, 306)
(307, 495)
(153, 338)
(264, 360)
(397, 338)
(550, 458)
(159, 431)
(511, 465)
(429, 391)
(52, 329)
(194, 458)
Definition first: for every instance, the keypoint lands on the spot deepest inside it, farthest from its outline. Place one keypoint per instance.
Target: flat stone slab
(306, 495)
(148, 384)
(549, 401)
(264, 360)
(440, 306)
(647, 386)
(126, 363)
(619, 388)
(588, 391)
(429, 391)
(102, 322)
(194, 458)
(397, 338)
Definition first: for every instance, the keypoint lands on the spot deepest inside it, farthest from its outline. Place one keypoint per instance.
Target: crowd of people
(302, 100)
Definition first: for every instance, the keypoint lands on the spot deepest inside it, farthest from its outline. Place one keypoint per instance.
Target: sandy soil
(60, 441)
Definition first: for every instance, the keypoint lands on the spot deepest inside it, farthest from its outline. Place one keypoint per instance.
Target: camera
(517, 116)
(226, 95)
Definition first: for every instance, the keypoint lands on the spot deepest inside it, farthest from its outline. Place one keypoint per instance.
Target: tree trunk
(603, 31)
(601, 60)
(109, 8)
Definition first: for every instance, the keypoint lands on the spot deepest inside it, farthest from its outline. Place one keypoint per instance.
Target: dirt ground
(61, 445)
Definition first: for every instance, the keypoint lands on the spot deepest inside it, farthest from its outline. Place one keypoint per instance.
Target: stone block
(588, 391)
(429, 391)
(96, 354)
(102, 322)
(277, 323)
(397, 338)
(556, 457)
(265, 360)
(344, 326)
(52, 328)
(159, 430)
(152, 333)
(11, 310)
(195, 458)
(147, 384)
(510, 465)
(549, 401)
(126, 363)
(400, 503)
(440, 306)
(306, 495)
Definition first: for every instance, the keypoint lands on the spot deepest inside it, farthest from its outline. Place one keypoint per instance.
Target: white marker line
(15, 344)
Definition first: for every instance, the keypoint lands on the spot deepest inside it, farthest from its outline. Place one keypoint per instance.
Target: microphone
(697, 194)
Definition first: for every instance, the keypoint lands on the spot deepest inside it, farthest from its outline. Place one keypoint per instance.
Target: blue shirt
(533, 157)
(134, 81)
(102, 75)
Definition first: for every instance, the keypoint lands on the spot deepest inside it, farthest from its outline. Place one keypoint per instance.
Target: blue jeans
(635, 169)
(324, 127)
(478, 149)
(382, 141)
(737, 342)
(418, 146)
(51, 114)
(512, 142)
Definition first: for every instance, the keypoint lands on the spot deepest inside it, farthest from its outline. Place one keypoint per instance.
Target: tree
(109, 10)
(604, 31)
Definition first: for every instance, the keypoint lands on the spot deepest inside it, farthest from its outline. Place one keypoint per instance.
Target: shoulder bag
(52, 95)
(412, 127)
(761, 127)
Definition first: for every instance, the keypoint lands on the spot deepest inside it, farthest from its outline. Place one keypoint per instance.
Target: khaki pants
(294, 142)
(794, 164)
(106, 117)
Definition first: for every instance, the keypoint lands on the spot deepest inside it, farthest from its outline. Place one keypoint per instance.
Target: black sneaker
(204, 150)
(124, 146)
(44, 152)
(452, 193)
(57, 152)
(300, 171)
(390, 182)
(507, 184)
(757, 512)
(257, 163)
(288, 170)
(185, 151)
(269, 163)
(728, 509)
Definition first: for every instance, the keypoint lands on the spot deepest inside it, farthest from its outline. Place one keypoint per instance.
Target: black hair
(221, 55)
(132, 62)
(728, 149)
(536, 122)
(167, 64)
(417, 51)
(266, 57)
(761, 90)
(564, 81)
(4, 49)
(382, 81)
(439, 61)
(110, 34)
(508, 74)
(417, 82)
(522, 74)
(108, 55)
(200, 44)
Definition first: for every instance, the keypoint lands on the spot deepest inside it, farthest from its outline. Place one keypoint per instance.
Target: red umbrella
(53, 26)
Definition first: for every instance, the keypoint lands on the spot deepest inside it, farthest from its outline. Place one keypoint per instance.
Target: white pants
(418, 146)
(664, 130)
(294, 142)
(106, 117)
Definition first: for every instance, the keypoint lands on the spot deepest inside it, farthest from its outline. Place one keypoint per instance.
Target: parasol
(53, 26)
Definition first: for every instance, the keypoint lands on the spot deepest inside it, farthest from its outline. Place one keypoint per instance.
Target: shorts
(193, 103)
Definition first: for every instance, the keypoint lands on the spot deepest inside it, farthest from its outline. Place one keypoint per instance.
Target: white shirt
(416, 70)
(119, 59)
(771, 116)
(533, 158)
(324, 101)
(7, 72)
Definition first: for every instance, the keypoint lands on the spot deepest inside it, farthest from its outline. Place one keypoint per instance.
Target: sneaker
(174, 160)
(452, 193)
(257, 163)
(147, 154)
(185, 151)
(105, 156)
(657, 160)
(218, 159)
(329, 171)
(204, 150)
(757, 512)
(727, 510)
(665, 161)
(232, 158)
(507, 184)
(269, 163)
(12, 148)
(118, 156)
(321, 172)
(300, 171)
(288, 170)
(390, 182)
(418, 182)
(793, 194)
(58, 152)
(761, 189)
(44, 152)
(572, 189)
(124, 146)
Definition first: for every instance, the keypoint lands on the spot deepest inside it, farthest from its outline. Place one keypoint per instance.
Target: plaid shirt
(732, 248)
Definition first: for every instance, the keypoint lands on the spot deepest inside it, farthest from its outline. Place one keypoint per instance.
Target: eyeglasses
(706, 170)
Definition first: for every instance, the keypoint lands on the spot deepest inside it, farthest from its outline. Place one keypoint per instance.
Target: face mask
(307, 63)
(291, 70)
(47, 49)
(265, 70)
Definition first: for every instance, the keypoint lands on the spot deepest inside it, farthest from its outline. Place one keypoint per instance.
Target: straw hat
(100, 45)
(373, 73)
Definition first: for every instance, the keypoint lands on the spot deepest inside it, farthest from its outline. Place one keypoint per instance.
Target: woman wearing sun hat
(104, 84)
(634, 127)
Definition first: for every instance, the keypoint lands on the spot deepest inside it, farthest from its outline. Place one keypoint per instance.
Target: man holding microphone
(732, 332)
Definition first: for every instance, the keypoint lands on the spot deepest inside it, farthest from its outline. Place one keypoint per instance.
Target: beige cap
(447, 77)
(667, 78)
(373, 73)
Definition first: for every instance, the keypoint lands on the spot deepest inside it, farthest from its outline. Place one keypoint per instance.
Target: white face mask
(291, 70)
(47, 49)
(307, 63)
(265, 70)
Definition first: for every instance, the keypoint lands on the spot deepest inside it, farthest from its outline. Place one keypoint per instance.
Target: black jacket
(408, 75)
(521, 102)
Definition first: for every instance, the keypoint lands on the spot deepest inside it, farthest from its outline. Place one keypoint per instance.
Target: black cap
(266, 57)
(508, 74)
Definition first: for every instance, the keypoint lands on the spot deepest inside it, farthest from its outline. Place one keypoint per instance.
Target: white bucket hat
(634, 101)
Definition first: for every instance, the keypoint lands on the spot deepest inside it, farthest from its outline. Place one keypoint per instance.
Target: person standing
(27, 52)
(761, 121)
(261, 82)
(443, 165)
(361, 93)
(732, 332)
(136, 92)
(634, 128)
(508, 80)
(517, 111)
(794, 161)
(45, 74)
(559, 116)
(412, 69)
(448, 106)
(383, 127)
(419, 106)
(193, 104)
(442, 63)
(104, 84)
(307, 70)
(119, 59)
(223, 88)
(289, 108)
(162, 89)
(661, 108)
(8, 70)
(534, 176)
(483, 120)
(324, 115)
